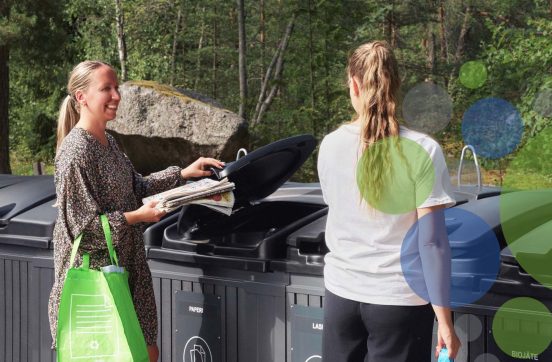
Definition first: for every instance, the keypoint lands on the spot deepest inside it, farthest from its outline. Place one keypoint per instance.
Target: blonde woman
(92, 177)
(371, 176)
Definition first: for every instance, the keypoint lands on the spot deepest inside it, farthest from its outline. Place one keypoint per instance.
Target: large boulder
(158, 126)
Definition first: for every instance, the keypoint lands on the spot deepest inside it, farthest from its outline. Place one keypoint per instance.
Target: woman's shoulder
(421, 138)
(74, 150)
(344, 132)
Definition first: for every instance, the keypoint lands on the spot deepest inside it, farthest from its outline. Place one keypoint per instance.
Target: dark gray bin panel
(252, 307)
(26, 280)
(198, 327)
(306, 333)
(27, 220)
(305, 301)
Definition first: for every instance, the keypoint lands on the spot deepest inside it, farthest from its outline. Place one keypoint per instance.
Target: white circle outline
(201, 339)
(314, 356)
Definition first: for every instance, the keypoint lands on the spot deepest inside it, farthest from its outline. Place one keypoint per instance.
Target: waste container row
(248, 287)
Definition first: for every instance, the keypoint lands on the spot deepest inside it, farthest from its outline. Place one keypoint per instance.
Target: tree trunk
(461, 41)
(462, 36)
(242, 59)
(442, 33)
(391, 27)
(4, 99)
(121, 42)
(430, 51)
(175, 43)
(327, 75)
(199, 48)
(276, 64)
(215, 60)
(311, 63)
(262, 37)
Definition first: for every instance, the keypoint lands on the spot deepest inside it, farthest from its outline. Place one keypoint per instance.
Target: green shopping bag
(97, 320)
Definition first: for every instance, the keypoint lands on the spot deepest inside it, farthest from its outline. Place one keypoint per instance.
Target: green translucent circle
(526, 207)
(473, 74)
(521, 327)
(531, 168)
(407, 175)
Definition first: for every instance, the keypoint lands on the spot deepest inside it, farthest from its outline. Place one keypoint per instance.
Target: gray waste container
(27, 218)
(528, 216)
(473, 321)
(218, 299)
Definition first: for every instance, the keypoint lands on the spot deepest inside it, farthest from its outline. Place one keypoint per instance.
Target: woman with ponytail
(381, 180)
(93, 176)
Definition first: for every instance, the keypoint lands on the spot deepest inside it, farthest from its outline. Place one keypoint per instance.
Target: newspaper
(216, 195)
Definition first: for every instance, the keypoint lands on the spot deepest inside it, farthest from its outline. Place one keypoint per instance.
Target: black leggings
(356, 332)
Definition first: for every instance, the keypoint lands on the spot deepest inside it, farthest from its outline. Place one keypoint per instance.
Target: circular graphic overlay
(486, 357)
(493, 126)
(401, 170)
(543, 103)
(427, 107)
(468, 327)
(474, 258)
(526, 224)
(197, 349)
(531, 168)
(518, 325)
(473, 74)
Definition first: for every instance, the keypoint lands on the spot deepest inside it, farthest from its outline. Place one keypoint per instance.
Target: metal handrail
(241, 150)
(477, 169)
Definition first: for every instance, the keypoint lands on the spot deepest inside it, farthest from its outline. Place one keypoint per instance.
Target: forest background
(280, 64)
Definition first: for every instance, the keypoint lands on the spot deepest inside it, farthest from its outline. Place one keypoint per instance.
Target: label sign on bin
(198, 327)
(306, 333)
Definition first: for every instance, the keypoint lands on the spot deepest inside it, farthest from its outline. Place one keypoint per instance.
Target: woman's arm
(171, 177)
(79, 209)
(435, 255)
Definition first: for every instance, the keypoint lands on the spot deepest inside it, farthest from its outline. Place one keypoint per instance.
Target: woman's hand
(146, 213)
(153, 353)
(200, 167)
(446, 337)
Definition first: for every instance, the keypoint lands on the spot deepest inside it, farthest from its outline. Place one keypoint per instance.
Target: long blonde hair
(375, 67)
(69, 111)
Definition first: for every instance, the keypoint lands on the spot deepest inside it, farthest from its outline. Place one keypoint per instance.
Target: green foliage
(198, 50)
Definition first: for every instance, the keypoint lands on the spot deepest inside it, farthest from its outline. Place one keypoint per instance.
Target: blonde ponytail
(69, 112)
(68, 118)
(374, 66)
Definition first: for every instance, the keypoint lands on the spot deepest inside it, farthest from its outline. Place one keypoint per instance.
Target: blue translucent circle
(474, 257)
(493, 126)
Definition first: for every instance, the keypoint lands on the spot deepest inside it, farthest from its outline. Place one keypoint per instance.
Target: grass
(24, 166)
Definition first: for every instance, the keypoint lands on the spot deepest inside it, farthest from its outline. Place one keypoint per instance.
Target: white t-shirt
(363, 263)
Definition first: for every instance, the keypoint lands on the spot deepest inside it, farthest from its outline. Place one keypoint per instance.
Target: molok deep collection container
(27, 218)
(249, 287)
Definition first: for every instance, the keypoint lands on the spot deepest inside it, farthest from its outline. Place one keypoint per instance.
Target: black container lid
(264, 170)
(24, 194)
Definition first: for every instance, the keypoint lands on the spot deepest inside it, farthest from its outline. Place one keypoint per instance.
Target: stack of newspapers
(216, 195)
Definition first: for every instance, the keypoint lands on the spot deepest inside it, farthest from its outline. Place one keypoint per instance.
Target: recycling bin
(525, 218)
(472, 253)
(27, 218)
(218, 298)
(304, 263)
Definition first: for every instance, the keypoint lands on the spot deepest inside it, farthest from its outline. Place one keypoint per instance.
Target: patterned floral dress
(90, 179)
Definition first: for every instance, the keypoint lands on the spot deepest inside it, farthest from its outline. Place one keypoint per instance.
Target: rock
(158, 126)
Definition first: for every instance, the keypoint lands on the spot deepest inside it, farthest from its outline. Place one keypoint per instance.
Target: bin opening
(258, 231)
